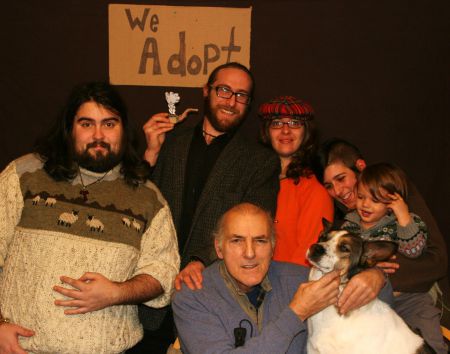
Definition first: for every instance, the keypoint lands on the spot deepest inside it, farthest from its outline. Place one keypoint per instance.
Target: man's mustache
(99, 143)
(228, 108)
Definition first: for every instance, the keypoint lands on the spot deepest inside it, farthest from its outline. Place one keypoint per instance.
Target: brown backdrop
(376, 72)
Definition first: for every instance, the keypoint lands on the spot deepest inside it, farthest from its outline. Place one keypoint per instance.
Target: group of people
(105, 251)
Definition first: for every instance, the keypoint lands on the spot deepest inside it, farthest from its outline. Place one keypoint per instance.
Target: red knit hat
(286, 106)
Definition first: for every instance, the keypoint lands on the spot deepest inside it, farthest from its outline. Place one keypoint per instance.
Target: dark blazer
(244, 172)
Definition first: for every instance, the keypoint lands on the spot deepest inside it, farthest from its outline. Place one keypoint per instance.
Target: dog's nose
(316, 251)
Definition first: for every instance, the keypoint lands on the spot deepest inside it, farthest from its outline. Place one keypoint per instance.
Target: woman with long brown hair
(287, 124)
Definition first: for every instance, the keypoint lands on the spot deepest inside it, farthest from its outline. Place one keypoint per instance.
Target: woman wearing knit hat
(287, 125)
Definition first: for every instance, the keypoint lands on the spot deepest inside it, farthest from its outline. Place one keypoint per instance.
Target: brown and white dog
(374, 328)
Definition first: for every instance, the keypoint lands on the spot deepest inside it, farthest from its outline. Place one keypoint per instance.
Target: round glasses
(292, 123)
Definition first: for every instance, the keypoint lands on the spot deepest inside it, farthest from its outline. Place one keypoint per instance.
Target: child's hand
(400, 209)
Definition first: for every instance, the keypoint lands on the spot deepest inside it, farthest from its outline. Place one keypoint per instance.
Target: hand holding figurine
(158, 125)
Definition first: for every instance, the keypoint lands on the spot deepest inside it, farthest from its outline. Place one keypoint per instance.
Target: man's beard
(100, 162)
(221, 126)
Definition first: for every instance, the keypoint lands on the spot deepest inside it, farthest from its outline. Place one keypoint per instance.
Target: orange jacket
(298, 221)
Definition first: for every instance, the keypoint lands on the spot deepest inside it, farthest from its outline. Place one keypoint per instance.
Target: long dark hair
(55, 148)
(302, 161)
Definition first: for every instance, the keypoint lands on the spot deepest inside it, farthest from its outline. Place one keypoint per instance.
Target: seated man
(271, 300)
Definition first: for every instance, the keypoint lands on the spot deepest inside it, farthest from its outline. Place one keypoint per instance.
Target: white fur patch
(372, 329)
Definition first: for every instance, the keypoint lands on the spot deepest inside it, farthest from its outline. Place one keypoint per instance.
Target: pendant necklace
(84, 191)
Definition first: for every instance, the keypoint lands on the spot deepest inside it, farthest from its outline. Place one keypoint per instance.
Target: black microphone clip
(239, 336)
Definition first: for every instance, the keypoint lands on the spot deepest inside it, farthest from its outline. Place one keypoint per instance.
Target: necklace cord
(92, 183)
(206, 133)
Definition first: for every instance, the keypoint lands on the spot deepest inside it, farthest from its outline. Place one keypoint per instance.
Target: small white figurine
(172, 99)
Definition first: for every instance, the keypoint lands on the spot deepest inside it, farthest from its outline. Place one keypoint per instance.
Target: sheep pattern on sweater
(39, 243)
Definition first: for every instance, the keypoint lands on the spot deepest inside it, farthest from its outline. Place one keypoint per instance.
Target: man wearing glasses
(205, 170)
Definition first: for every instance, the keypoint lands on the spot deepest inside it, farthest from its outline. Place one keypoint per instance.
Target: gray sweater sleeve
(386, 294)
(202, 331)
(412, 238)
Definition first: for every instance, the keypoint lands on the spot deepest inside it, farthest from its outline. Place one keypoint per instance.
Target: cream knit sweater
(47, 230)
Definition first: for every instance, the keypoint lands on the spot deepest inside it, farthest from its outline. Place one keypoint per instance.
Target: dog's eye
(344, 248)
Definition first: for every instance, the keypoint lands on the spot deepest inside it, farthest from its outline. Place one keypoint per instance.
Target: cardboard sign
(174, 45)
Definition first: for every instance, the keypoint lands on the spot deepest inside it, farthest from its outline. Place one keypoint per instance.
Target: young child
(382, 213)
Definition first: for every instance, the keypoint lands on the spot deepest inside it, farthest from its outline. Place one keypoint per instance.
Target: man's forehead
(97, 111)
(231, 234)
(233, 77)
(247, 224)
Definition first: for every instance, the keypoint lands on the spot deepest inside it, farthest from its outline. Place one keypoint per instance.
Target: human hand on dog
(314, 296)
(389, 267)
(360, 290)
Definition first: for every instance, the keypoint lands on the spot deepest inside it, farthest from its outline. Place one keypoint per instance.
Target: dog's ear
(327, 226)
(377, 251)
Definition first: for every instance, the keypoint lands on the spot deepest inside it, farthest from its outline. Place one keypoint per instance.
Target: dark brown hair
(384, 177)
(302, 160)
(336, 150)
(55, 147)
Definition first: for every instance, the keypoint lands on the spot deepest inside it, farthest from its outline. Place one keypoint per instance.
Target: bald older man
(245, 289)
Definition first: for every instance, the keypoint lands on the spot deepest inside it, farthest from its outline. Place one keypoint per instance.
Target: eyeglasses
(225, 92)
(292, 123)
